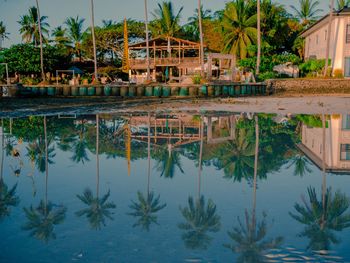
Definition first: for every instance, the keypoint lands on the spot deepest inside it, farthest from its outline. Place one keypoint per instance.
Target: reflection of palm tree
(80, 150)
(145, 209)
(41, 220)
(301, 165)
(167, 161)
(200, 219)
(98, 208)
(36, 153)
(237, 157)
(249, 240)
(320, 224)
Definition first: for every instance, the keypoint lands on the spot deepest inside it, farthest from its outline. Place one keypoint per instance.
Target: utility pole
(147, 42)
(258, 38)
(93, 38)
(329, 38)
(201, 36)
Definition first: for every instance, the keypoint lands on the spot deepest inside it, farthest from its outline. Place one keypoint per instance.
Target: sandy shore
(328, 104)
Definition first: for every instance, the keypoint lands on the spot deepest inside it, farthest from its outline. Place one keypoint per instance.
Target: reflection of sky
(120, 242)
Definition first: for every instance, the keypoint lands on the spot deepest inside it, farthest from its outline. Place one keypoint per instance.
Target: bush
(338, 73)
(312, 67)
(197, 79)
(267, 75)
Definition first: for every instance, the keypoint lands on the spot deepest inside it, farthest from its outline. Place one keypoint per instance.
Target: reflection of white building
(337, 144)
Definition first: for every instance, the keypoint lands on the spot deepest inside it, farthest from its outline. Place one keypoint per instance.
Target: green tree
(3, 33)
(166, 22)
(75, 33)
(238, 28)
(308, 11)
(29, 27)
(192, 27)
(342, 3)
(201, 218)
(61, 39)
(322, 218)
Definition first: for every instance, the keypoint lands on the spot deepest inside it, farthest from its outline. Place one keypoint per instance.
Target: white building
(316, 40)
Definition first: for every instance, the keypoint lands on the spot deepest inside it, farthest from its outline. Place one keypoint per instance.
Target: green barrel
(210, 91)
(140, 91)
(263, 88)
(83, 91)
(166, 91)
(51, 91)
(157, 91)
(244, 90)
(203, 91)
(174, 91)
(42, 91)
(183, 92)
(193, 91)
(66, 91)
(59, 90)
(149, 91)
(124, 91)
(254, 91)
(132, 91)
(75, 91)
(237, 90)
(107, 90)
(91, 91)
(116, 91)
(225, 90)
(99, 91)
(231, 91)
(35, 90)
(218, 91)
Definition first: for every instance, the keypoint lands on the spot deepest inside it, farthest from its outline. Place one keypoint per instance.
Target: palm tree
(29, 26)
(258, 38)
(147, 42)
(201, 218)
(60, 37)
(3, 33)
(166, 21)
(322, 220)
(93, 38)
(75, 33)
(329, 38)
(36, 153)
(43, 218)
(98, 208)
(147, 207)
(108, 23)
(308, 11)
(41, 42)
(342, 3)
(249, 238)
(193, 21)
(238, 28)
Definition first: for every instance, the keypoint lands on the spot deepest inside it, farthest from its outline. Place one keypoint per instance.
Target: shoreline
(296, 104)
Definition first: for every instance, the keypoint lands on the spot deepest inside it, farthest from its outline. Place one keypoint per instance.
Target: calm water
(175, 188)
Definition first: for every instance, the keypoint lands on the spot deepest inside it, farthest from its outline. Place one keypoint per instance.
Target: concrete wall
(309, 86)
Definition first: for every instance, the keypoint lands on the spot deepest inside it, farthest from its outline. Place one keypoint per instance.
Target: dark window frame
(344, 149)
(347, 36)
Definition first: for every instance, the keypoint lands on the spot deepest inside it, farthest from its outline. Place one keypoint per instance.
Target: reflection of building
(337, 144)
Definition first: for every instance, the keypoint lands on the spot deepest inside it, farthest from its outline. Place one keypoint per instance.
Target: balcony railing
(163, 61)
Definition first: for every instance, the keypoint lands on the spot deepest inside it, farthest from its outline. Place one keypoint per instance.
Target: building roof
(163, 41)
(342, 12)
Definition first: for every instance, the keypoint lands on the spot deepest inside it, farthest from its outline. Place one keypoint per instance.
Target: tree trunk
(93, 38)
(259, 39)
(41, 43)
(201, 36)
(329, 38)
(147, 43)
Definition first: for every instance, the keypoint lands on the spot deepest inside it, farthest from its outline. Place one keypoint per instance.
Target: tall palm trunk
(97, 155)
(258, 61)
(201, 36)
(329, 38)
(93, 38)
(41, 43)
(147, 43)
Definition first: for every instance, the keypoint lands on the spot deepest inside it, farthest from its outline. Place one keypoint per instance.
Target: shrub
(338, 73)
(312, 67)
(267, 75)
(197, 79)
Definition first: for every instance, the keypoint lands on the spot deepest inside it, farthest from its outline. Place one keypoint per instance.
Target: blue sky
(59, 10)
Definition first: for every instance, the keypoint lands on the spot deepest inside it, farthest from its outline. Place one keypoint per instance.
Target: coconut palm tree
(93, 38)
(108, 23)
(329, 32)
(166, 22)
(200, 218)
(193, 21)
(147, 206)
(61, 39)
(258, 38)
(308, 11)
(36, 153)
(43, 218)
(75, 34)
(238, 28)
(147, 42)
(98, 208)
(249, 238)
(3, 33)
(342, 3)
(29, 27)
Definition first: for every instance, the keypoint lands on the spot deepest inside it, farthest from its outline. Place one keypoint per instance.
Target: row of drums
(148, 91)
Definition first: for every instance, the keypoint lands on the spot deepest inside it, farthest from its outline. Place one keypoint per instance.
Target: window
(346, 122)
(345, 152)
(347, 34)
